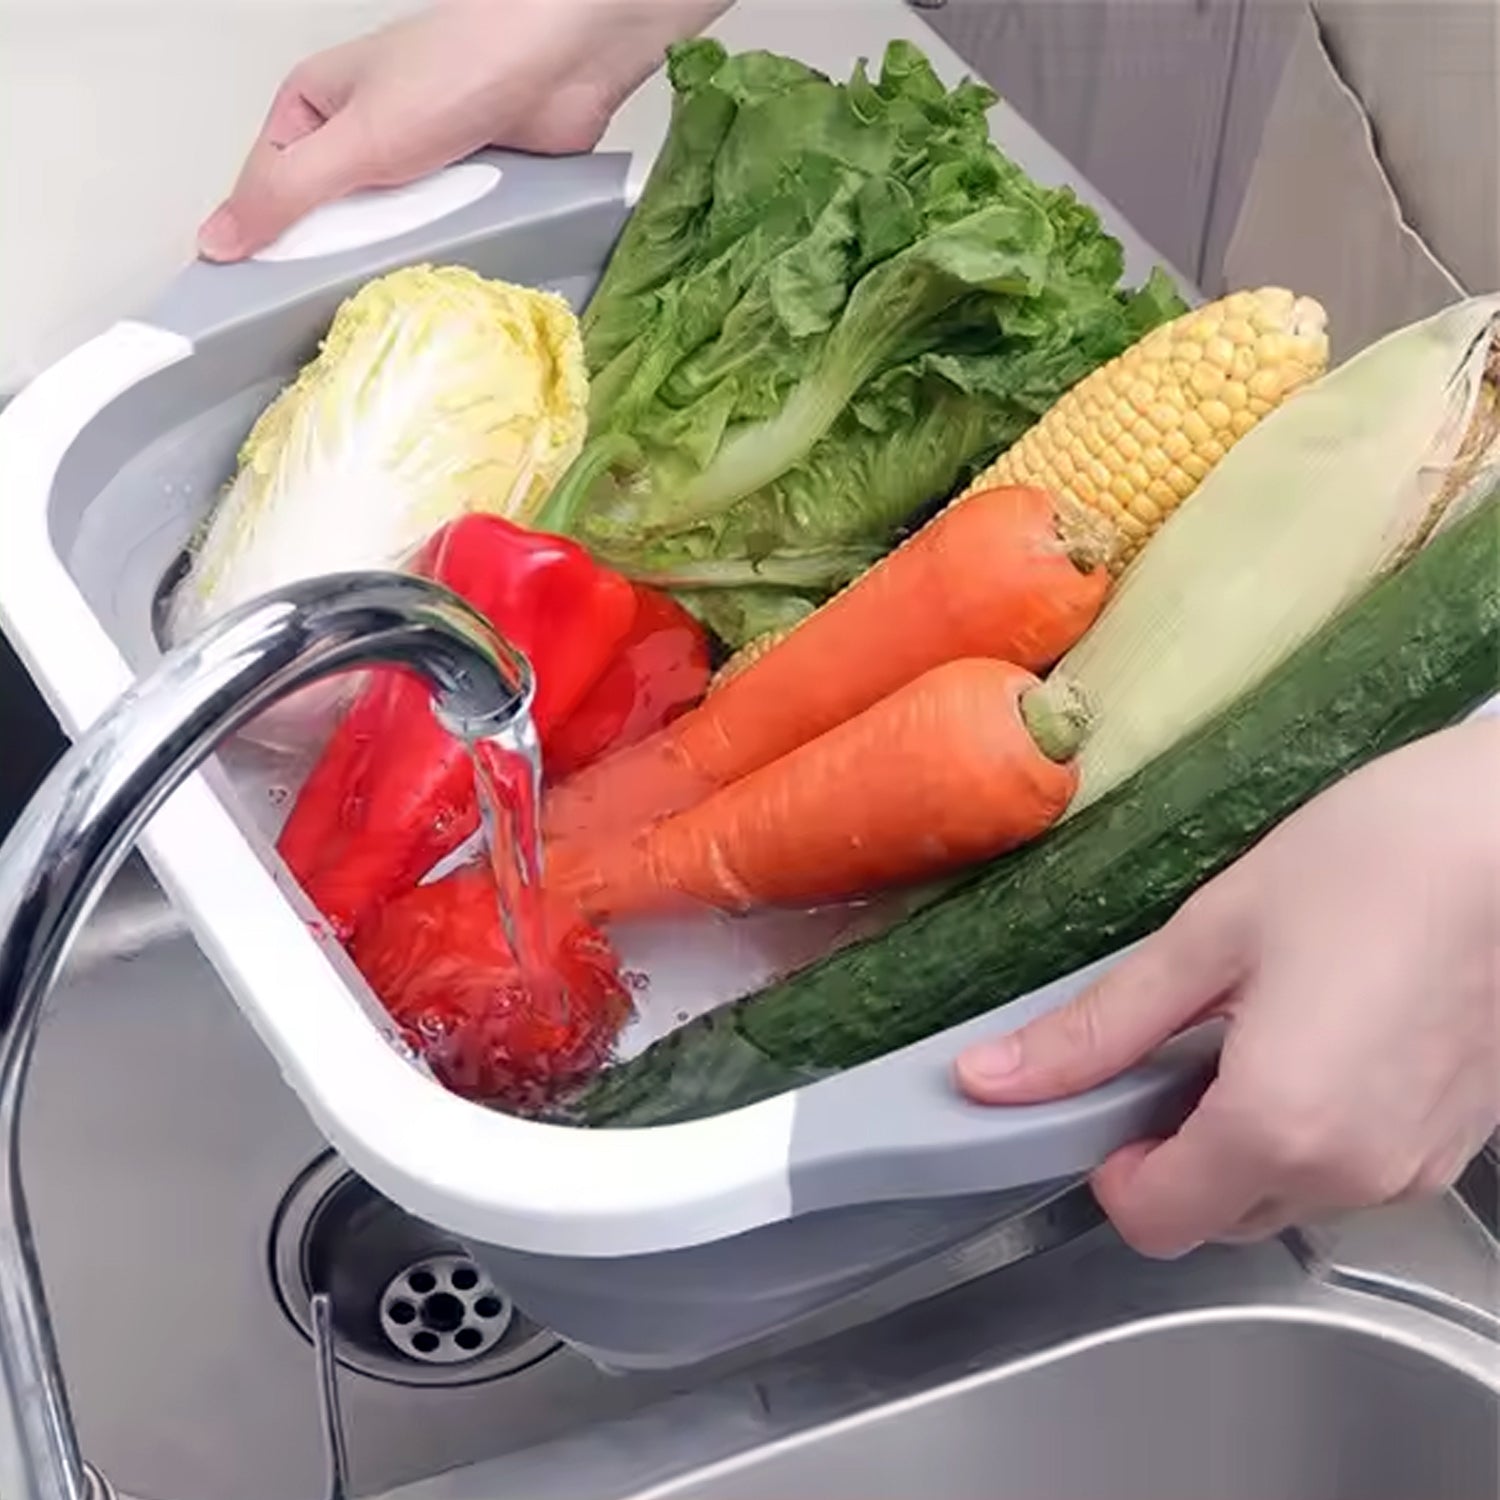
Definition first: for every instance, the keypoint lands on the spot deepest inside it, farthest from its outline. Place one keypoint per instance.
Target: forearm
(599, 50)
(658, 23)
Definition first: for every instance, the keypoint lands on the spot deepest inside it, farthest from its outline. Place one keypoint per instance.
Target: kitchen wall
(121, 121)
(1134, 92)
(1165, 104)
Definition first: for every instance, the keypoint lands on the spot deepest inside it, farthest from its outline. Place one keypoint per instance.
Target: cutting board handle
(898, 1127)
(498, 211)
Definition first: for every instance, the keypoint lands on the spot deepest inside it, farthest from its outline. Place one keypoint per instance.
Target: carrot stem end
(1057, 717)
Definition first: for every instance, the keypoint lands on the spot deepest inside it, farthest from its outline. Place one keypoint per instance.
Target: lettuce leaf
(833, 303)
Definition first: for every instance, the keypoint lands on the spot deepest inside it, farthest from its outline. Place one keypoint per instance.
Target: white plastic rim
(473, 1171)
(53, 630)
(377, 214)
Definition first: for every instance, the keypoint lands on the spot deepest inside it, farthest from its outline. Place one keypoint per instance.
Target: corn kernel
(1206, 380)
(1127, 447)
(1266, 384)
(1158, 343)
(1145, 509)
(1212, 450)
(1196, 429)
(1196, 465)
(1219, 352)
(1234, 395)
(1243, 421)
(1120, 488)
(1275, 305)
(1272, 349)
(1163, 416)
(1175, 445)
(1183, 483)
(1216, 414)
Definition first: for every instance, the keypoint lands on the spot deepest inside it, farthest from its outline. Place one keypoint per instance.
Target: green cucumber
(1415, 653)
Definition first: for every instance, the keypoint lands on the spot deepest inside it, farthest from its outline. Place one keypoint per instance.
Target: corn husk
(1332, 490)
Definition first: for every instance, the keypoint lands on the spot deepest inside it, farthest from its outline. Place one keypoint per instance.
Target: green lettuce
(832, 304)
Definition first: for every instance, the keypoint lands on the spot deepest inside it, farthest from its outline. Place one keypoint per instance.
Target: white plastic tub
(647, 1246)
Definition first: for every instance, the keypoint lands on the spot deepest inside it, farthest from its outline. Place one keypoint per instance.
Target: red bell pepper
(438, 958)
(661, 669)
(393, 793)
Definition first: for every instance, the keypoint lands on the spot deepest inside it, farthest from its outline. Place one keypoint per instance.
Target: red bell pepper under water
(661, 669)
(438, 959)
(393, 793)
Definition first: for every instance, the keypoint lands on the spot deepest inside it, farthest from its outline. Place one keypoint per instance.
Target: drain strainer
(409, 1304)
(443, 1311)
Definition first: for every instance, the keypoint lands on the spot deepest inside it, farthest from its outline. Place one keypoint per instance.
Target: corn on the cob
(1133, 440)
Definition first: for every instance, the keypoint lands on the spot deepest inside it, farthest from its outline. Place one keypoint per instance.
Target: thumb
(1176, 977)
(280, 184)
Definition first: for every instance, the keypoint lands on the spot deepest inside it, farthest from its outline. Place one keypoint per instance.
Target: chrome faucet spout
(89, 812)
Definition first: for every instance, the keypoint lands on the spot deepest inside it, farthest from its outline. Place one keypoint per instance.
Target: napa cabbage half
(435, 393)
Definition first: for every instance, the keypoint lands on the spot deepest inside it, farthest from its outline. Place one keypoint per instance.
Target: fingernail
(993, 1062)
(219, 238)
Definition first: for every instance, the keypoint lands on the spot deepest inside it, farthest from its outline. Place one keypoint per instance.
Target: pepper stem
(1057, 716)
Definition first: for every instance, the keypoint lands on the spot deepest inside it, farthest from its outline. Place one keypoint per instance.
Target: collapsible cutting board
(646, 1246)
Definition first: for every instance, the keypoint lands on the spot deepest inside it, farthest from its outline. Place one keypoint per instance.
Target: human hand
(543, 76)
(1355, 954)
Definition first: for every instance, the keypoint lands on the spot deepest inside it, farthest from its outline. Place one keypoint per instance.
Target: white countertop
(125, 121)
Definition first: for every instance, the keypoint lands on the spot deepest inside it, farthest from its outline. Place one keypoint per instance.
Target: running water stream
(508, 783)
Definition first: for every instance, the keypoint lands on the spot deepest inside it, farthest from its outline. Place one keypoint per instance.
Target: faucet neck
(84, 821)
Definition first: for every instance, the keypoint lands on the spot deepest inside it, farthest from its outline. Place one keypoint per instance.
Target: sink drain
(443, 1311)
(409, 1305)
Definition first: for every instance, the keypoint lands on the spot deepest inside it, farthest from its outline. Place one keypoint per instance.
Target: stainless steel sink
(1209, 1406)
(159, 1143)
(1090, 1374)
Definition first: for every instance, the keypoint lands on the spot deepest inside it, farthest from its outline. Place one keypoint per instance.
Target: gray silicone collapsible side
(680, 1307)
(897, 1127)
(888, 1167)
(532, 192)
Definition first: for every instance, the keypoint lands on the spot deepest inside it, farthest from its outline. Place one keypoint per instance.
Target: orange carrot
(960, 765)
(1001, 574)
